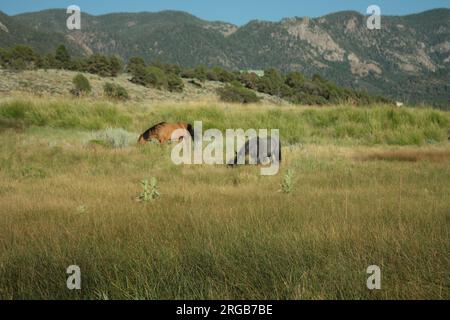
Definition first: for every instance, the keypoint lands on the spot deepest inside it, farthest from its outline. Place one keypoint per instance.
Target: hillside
(59, 83)
(407, 60)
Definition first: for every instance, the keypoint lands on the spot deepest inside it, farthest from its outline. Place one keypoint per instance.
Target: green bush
(174, 83)
(115, 66)
(201, 73)
(134, 64)
(156, 77)
(82, 85)
(235, 92)
(115, 91)
(20, 57)
(98, 64)
(220, 74)
(249, 80)
(271, 83)
(62, 57)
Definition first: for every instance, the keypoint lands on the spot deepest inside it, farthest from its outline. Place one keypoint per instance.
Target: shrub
(98, 64)
(272, 82)
(115, 66)
(82, 85)
(114, 138)
(175, 83)
(250, 80)
(139, 74)
(115, 91)
(156, 77)
(188, 73)
(235, 92)
(220, 74)
(201, 73)
(20, 57)
(134, 64)
(295, 79)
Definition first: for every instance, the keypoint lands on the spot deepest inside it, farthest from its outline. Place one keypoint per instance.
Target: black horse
(259, 150)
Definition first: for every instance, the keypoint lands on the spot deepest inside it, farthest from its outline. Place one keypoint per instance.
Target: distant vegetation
(294, 87)
(235, 92)
(156, 75)
(23, 57)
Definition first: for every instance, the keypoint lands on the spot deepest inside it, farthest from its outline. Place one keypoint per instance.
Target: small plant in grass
(287, 186)
(32, 172)
(81, 209)
(82, 85)
(149, 190)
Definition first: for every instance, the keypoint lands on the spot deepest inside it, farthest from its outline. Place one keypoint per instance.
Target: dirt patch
(406, 155)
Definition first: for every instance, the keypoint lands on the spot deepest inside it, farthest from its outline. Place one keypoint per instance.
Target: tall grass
(364, 126)
(64, 114)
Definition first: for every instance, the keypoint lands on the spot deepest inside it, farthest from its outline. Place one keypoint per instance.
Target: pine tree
(62, 57)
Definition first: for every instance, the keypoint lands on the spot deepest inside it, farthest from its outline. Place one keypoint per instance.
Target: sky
(235, 11)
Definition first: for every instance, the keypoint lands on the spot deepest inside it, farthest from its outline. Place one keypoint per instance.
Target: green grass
(357, 126)
(63, 114)
(221, 233)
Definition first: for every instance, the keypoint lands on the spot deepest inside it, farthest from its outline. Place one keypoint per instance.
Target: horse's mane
(190, 130)
(147, 133)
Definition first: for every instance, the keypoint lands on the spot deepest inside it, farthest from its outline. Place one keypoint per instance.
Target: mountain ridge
(408, 59)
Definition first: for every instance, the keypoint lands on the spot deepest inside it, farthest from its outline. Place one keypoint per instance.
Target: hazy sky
(235, 11)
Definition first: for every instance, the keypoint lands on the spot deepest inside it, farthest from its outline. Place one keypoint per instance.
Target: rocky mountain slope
(408, 59)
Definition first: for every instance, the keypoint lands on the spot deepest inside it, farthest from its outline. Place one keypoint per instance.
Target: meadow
(370, 186)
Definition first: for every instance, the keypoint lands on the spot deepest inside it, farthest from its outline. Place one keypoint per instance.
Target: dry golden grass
(216, 232)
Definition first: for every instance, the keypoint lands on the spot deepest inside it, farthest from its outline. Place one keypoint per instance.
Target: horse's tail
(279, 150)
(190, 130)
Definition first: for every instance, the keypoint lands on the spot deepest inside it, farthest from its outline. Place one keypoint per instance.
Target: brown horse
(163, 132)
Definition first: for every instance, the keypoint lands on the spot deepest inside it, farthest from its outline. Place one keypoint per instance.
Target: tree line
(240, 86)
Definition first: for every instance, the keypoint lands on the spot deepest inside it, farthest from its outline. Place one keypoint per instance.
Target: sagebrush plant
(149, 190)
(115, 91)
(114, 138)
(82, 85)
(287, 185)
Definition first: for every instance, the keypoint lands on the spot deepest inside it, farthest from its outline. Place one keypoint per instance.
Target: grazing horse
(163, 132)
(259, 150)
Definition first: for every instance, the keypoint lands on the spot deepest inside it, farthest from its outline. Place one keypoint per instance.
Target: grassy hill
(59, 83)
